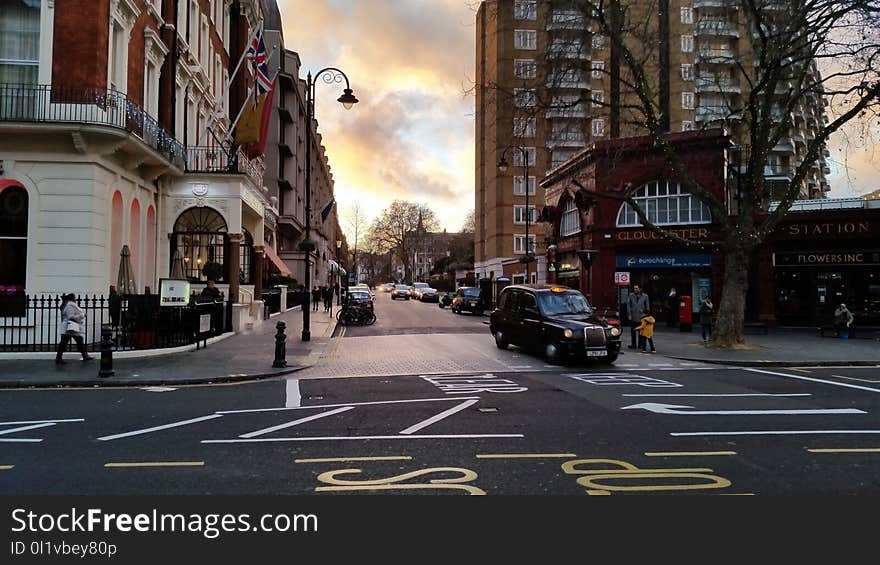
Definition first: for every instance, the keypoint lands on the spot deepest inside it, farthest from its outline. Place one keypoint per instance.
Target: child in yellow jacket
(646, 332)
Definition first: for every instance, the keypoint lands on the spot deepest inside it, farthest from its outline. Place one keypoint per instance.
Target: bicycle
(355, 315)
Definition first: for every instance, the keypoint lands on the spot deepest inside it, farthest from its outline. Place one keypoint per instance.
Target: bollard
(280, 347)
(106, 367)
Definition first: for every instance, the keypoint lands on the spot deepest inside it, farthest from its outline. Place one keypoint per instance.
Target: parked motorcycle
(445, 300)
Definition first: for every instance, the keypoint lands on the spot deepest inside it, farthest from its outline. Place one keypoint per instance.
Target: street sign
(621, 278)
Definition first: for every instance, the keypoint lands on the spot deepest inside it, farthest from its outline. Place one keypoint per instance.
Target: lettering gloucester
(687, 233)
(828, 228)
(472, 384)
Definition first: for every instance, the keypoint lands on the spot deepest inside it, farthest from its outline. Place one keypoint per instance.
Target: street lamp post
(329, 75)
(502, 166)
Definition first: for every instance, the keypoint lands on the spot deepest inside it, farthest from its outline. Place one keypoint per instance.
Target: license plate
(597, 353)
(473, 303)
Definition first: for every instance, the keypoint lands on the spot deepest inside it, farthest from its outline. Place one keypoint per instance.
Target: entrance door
(831, 291)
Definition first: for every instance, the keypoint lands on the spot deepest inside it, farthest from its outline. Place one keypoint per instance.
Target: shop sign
(648, 235)
(173, 292)
(822, 258)
(621, 278)
(664, 261)
(827, 228)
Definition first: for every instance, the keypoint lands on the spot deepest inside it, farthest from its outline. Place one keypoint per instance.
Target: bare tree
(356, 223)
(398, 228)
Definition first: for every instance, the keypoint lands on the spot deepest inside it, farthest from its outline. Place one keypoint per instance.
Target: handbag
(72, 326)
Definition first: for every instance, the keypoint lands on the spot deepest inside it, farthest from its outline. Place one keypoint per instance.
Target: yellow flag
(248, 128)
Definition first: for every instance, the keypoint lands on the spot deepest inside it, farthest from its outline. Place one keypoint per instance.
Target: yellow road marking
(847, 450)
(685, 453)
(525, 455)
(873, 381)
(346, 459)
(6, 467)
(158, 464)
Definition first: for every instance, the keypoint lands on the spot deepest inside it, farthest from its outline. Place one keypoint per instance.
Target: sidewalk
(244, 356)
(781, 348)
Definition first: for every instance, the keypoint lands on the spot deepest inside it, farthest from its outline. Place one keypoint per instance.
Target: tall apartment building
(547, 84)
(112, 118)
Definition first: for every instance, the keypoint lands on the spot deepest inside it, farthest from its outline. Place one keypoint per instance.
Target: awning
(276, 260)
(334, 267)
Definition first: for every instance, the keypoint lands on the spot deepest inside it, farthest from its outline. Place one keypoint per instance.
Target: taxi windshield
(557, 304)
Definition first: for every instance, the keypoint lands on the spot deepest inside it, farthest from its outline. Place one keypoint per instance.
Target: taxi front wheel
(501, 341)
(553, 353)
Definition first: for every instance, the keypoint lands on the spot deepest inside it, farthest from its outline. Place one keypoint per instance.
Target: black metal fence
(271, 301)
(33, 323)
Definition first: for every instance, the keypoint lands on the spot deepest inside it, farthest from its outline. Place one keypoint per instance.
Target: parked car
(359, 298)
(555, 320)
(429, 295)
(400, 291)
(417, 289)
(468, 298)
(362, 288)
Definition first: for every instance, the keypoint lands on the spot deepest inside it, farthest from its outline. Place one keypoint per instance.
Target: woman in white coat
(73, 321)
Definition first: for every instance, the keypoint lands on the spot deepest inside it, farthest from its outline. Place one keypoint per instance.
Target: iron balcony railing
(61, 104)
(218, 159)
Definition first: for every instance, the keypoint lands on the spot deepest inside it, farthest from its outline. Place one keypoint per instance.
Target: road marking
(6, 467)
(437, 417)
(720, 395)
(526, 455)
(618, 379)
(521, 366)
(292, 395)
(847, 450)
(446, 399)
(811, 379)
(348, 459)
(660, 364)
(344, 438)
(736, 494)
(296, 422)
(158, 464)
(19, 440)
(23, 428)
(687, 410)
(158, 388)
(158, 428)
(40, 422)
(686, 453)
(774, 432)
(872, 381)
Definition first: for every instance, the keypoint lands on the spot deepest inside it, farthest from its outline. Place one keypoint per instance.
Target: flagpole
(241, 59)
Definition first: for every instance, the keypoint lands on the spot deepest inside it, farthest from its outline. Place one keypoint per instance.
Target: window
(20, 44)
(525, 39)
(687, 72)
(518, 156)
(193, 24)
(524, 127)
(524, 98)
(687, 126)
(519, 214)
(571, 219)
(687, 15)
(568, 78)
(598, 127)
(687, 100)
(204, 57)
(525, 68)
(598, 69)
(519, 244)
(197, 244)
(519, 186)
(525, 10)
(13, 236)
(598, 98)
(598, 41)
(666, 203)
(687, 43)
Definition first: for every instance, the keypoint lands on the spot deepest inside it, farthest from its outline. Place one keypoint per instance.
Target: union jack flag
(256, 54)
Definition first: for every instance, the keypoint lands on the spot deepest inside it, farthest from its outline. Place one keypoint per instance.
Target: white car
(417, 289)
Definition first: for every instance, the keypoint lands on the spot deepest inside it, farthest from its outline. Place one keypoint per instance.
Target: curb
(129, 354)
(109, 383)
(805, 363)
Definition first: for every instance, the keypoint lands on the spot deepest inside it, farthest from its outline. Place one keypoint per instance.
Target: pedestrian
(210, 293)
(328, 297)
(672, 308)
(707, 311)
(843, 320)
(316, 297)
(73, 321)
(637, 303)
(115, 303)
(646, 332)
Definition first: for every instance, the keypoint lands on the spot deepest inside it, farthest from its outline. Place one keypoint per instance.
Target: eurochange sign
(664, 261)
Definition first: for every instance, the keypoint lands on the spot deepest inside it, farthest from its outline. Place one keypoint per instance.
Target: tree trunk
(728, 328)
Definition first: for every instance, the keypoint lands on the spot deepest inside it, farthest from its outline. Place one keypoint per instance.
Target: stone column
(258, 271)
(233, 265)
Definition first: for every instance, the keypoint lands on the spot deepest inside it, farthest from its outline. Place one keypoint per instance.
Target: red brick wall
(81, 36)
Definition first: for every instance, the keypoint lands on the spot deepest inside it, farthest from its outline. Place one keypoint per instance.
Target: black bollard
(106, 367)
(280, 346)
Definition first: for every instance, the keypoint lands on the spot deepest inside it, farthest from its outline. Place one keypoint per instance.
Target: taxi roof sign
(558, 289)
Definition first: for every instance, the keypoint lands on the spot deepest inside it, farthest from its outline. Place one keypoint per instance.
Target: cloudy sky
(411, 64)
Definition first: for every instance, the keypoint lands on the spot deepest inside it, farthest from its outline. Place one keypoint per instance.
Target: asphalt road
(412, 317)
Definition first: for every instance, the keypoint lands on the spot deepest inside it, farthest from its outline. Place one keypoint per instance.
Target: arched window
(134, 238)
(666, 203)
(115, 234)
(199, 239)
(571, 219)
(13, 237)
(150, 248)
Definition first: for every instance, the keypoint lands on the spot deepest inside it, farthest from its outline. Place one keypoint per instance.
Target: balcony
(220, 160)
(716, 27)
(568, 50)
(566, 21)
(567, 139)
(716, 56)
(563, 110)
(568, 82)
(714, 113)
(718, 84)
(50, 104)
(715, 4)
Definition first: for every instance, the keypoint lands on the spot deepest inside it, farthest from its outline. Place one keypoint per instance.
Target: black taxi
(555, 320)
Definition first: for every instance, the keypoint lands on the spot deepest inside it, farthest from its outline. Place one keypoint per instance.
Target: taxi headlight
(615, 332)
(568, 333)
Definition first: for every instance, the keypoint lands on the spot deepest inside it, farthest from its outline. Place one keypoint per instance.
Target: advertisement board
(173, 292)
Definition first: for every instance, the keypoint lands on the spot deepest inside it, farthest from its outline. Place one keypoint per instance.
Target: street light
(330, 75)
(502, 166)
(338, 273)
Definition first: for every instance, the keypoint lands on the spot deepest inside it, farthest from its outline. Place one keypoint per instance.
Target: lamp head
(502, 164)
(347, 99)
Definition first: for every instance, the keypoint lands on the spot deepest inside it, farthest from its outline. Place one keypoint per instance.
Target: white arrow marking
(688, 410)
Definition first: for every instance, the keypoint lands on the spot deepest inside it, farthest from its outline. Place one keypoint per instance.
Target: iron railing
(33, 322)
(61, 104)
(219, 159)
